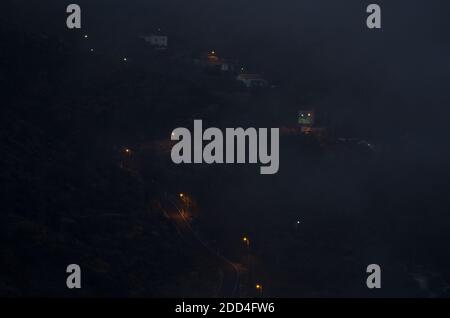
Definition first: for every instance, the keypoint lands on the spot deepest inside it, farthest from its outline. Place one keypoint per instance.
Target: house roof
(250, 77)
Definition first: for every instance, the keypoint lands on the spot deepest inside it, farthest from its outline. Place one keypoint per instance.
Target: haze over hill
(87, 175)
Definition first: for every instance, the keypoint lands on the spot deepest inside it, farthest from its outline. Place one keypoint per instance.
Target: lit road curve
(230, 283)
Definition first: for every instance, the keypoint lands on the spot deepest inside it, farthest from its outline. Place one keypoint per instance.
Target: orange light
(245, 239)
(181, 195)
(258, 286)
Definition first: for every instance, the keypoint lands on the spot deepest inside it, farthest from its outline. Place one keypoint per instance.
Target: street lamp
(181, 195)
(246, 241)
(259, 288)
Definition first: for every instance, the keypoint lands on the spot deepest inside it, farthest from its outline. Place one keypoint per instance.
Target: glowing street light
(246, 241)
(186, 200)
(85, 36)
(125, 59)
(259, 288)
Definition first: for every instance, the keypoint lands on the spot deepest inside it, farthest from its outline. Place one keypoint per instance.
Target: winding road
(229, 286)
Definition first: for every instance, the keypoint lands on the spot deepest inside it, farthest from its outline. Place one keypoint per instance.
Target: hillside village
(87, 176)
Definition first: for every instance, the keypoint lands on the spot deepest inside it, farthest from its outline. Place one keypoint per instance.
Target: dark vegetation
(66, 197)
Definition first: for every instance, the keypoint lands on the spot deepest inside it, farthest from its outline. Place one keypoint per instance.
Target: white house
(157, 41)
(252, 80)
